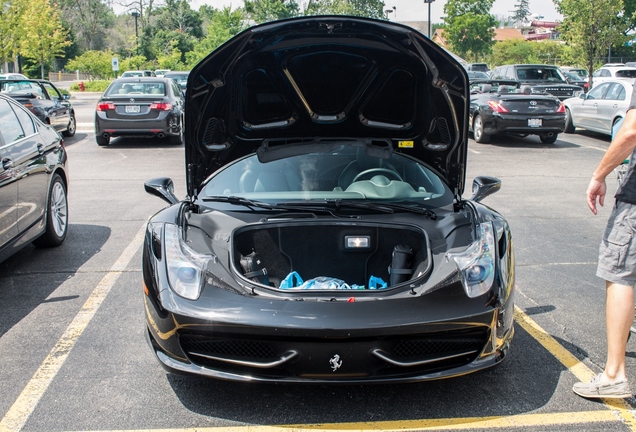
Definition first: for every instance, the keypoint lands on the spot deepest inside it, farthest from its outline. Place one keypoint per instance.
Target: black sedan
(324, 237)
(140, 107)
(44, 100)
(505, 107)
(33, 181)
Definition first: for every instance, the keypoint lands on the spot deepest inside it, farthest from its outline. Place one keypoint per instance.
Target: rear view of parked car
(45, 101)
(33, 181)
(140, 107)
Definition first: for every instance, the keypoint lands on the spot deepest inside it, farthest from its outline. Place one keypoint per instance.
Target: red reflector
(561, 108)
(351, 300)
(105, 106)
(497, 107)
(161, 106)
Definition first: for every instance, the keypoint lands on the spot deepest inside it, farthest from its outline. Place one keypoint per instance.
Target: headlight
(185, 266)
(477, 263)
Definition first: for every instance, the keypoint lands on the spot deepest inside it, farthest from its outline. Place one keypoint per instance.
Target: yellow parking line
(24, 406)
(579, 370)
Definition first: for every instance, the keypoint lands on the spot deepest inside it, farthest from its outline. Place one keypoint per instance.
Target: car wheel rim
(71, 126)
(477, 128)
(58, 209)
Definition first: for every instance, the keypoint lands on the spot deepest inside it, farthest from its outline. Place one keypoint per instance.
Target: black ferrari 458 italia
(325, 237)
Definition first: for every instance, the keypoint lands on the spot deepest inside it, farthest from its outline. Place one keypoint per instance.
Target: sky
(417, 10)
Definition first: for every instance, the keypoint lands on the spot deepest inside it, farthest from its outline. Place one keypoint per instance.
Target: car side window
(11, 129)
(597, 92)
(613, 92)
(25, 120)
(52, 91)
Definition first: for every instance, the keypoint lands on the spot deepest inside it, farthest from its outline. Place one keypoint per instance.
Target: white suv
(611, 73)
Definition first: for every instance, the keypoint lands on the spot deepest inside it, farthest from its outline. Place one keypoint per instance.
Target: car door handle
(40, 148)
(7, 163)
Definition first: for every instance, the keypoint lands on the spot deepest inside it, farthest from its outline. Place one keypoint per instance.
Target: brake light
(28, 105)
(105, 106)
(161, 106)
(561, 108)
(497, 107)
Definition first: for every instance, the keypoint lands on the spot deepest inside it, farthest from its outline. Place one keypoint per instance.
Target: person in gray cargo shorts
(616, 261)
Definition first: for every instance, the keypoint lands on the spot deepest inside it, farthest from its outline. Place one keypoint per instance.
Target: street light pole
(135, 14)
(429, 16)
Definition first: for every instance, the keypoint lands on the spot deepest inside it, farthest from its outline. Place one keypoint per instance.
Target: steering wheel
(390, 172)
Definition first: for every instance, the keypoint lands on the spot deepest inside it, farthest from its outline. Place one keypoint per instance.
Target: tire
(177, 139)
(101, 141)
(478, 130)
(71, 127)
(546, 139)
(569, 126)
(56, 215)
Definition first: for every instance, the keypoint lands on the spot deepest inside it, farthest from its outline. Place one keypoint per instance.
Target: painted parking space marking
(27, 401)
(618, 409)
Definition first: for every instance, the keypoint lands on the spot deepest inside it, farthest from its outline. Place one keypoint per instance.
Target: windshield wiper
(240, 201)
(414, 209)
(252, 205)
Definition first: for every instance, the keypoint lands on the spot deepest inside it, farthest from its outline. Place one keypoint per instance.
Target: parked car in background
(481, 67)
(181, 77)
(472, 75)
(582, 72)
(33, 181)
(541, 78)
(161, 72)
(611, 73)
(324, 237)
(147, 107)
(12, 76)
(576, 79)
(599, 109)
(506, 107)
(137, 73)
(44, 100)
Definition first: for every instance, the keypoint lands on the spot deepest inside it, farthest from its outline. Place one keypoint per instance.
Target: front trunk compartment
(350, 252)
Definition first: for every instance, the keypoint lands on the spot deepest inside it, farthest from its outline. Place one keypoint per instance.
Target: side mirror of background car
(583, 95)
(163, 187)
(484, 186)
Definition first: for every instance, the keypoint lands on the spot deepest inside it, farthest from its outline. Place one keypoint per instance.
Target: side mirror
(66, 97)
(163, 187)
(583, 95)
(484, 186)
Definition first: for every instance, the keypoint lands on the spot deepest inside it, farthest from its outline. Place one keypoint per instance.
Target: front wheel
(70, 128)
(548, 139)
(56, 215)
(478, 130)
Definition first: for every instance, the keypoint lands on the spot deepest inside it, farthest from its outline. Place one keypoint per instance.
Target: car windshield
(626, 73)
(126, 89)
(477, 75)
(574, 76)
(537, 73)
(132, 74)
(347, 173)
(181, 79)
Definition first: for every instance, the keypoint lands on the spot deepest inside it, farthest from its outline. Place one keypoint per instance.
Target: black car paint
(556, 86)
(49, 105)
(240, 330)
(27, 169)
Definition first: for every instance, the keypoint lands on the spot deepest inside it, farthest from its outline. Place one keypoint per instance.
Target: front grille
(436, 346)
(240, 349)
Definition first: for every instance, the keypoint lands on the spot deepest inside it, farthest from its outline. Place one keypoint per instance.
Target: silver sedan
(601, 108)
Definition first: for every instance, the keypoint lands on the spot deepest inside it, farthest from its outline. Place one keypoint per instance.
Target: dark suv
(541, 78)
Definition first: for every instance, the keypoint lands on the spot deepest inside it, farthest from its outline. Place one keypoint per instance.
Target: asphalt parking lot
(72, 319)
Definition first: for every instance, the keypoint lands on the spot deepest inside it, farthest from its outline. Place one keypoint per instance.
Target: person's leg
(619, 317)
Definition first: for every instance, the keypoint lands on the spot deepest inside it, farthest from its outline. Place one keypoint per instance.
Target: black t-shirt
(627, 190)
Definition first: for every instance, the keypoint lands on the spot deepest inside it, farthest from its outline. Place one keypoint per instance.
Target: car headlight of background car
(476, 264)
(186, 268)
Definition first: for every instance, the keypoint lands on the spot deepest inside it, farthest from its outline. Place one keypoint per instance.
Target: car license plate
(132, 108)
(534, 122)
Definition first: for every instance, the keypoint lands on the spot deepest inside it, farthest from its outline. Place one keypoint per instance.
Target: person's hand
(596, 189)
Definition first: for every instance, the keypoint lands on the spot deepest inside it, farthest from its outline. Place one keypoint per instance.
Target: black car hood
(306, 84)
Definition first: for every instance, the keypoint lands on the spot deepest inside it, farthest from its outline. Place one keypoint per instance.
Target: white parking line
(24, 406)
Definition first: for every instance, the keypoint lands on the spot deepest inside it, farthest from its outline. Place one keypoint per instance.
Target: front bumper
(438, 335)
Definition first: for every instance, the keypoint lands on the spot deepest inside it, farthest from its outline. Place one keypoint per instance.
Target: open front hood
(308, 82)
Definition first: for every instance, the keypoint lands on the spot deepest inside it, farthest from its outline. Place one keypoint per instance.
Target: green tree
(469, 27)
(45, 36)
(592, 27)
(261, 11)
(522, 10)
(365, 8)
(11, 12)
(513, 51)
(97, 64)
(88, 21)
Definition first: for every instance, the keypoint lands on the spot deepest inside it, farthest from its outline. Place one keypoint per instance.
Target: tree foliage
(469, 27)
(592, 27)
(97, 64)
(522, 10)
(261, 11)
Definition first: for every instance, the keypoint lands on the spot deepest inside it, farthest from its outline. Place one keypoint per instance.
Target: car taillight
(105, 106)
(561, 108)
(161, 106)
(497, 107)
(28, 105)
